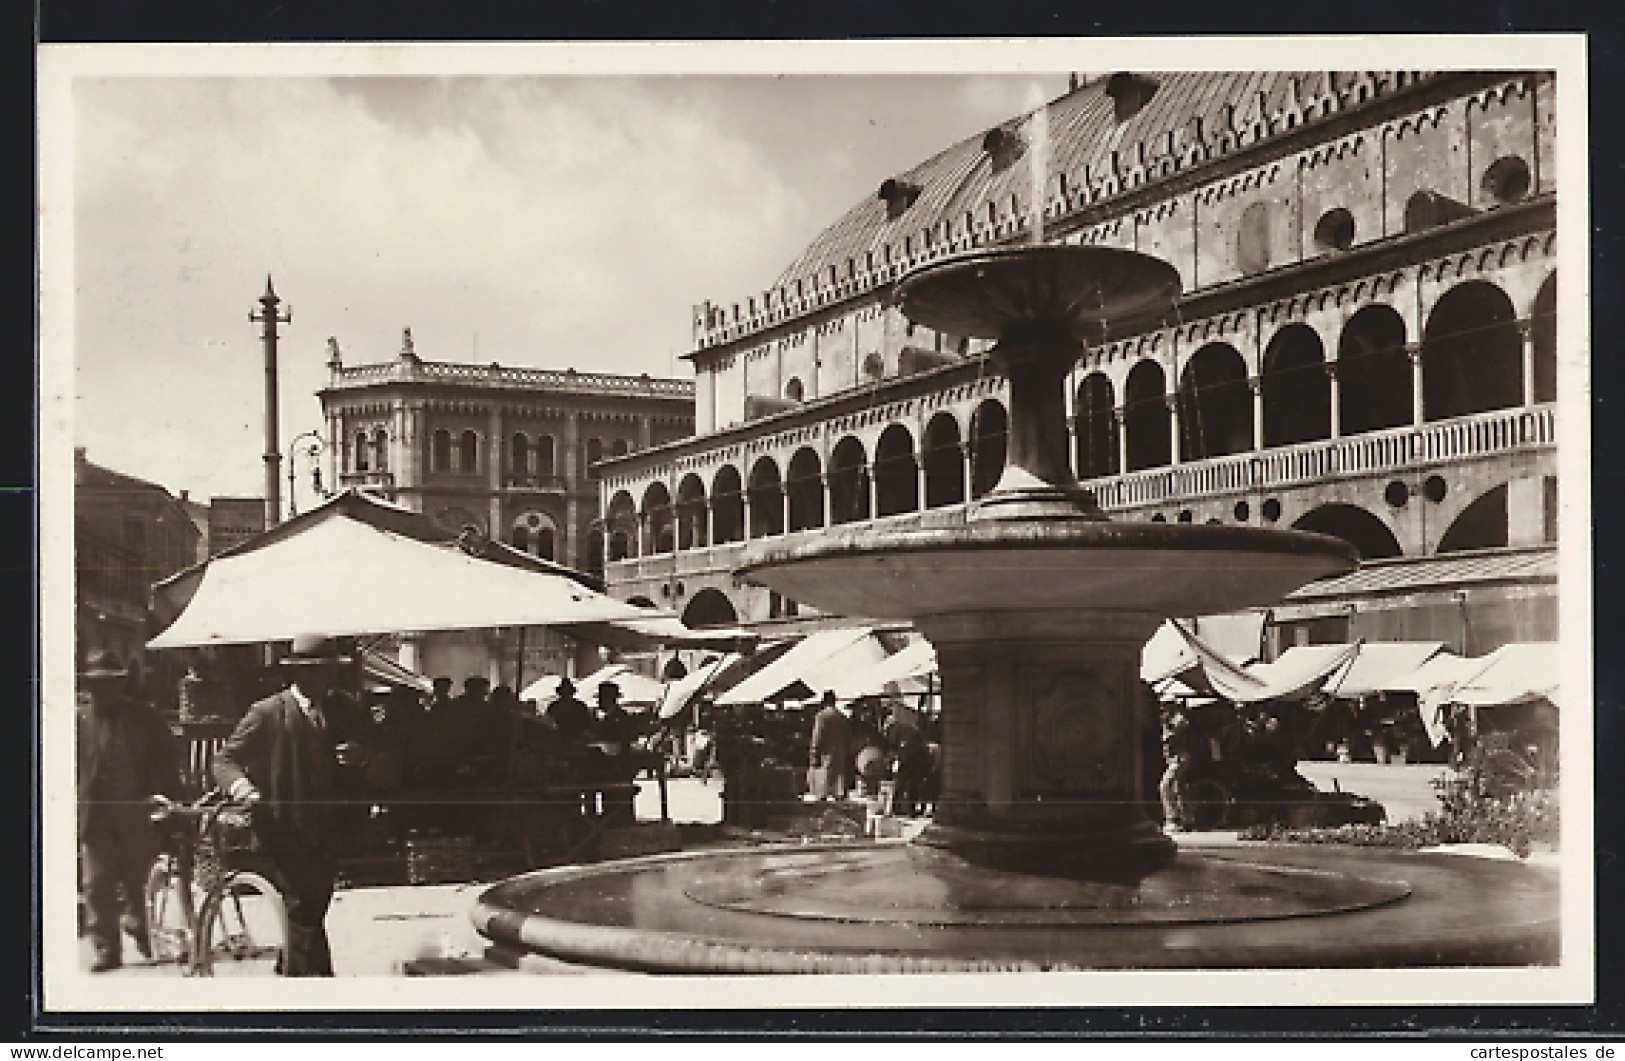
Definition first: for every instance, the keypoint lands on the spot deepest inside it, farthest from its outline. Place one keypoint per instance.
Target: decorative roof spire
(334, 359)
(407, 351)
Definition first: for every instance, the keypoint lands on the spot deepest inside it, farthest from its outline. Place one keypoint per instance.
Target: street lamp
(311, 449)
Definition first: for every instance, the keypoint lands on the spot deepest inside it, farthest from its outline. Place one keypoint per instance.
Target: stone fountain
(1041, 854)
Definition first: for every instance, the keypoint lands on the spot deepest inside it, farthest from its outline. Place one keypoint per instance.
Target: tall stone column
(1120, 415)
(967, 469)
(1418, 409)
(495, 460)
(1255, 384)
(1526, 332)
(874, 492)
(744, 514)
(642, 520)
(567, 549)
(1171, 401)
(784, 507)
(1336, 398)
(920, 480)
(825, 519)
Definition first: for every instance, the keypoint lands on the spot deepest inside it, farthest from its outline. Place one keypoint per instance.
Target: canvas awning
(812, 666)
(908, 668)
(1512, 674)
(656, 631)
(1382, 666)
(637, 690)
(354, 566)
(1284, 679)
(380, 667)
(682, 692)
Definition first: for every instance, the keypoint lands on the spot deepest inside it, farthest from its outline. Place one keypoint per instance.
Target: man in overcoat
(831, 750)
(282, 759)
(126, 754)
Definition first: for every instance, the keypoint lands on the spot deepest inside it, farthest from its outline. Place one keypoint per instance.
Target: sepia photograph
(950, 523)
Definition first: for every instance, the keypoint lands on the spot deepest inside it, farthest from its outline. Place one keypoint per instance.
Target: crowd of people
(844, 749)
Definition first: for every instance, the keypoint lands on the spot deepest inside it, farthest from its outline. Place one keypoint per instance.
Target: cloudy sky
(545, 221)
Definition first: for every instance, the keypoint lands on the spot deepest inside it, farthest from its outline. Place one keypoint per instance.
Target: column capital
(1171, 401)
(1120, 413)
(1526, 328)
(1414, 352)
(1255, 384)
(1330, 367)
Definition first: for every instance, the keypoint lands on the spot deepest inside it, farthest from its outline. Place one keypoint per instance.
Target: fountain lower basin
(896, 908)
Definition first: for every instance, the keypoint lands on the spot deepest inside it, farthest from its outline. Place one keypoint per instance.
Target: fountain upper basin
(1036, 565)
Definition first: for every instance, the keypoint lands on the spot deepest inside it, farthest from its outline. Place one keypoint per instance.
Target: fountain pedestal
(1042, 724)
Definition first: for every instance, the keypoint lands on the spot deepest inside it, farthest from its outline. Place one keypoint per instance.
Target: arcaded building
(1365, 346)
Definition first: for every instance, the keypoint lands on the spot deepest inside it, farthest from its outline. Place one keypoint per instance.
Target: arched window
(793, 390)
(620, 448)
(897, 480)
(691, 512)
(1096, 441)
(805, 485)
(532, 532)
(727, 506)
(544, 456)
(440, 451)
(544, 543)
(944, 462)
(1145, 417)
(989, 435)
(1297, 393)
(848, 482)
(657, 517)
(1543, 325)
(468, 454)
(1368, 534)
(1472, 353)
(519, 459)
(595, 453)
(521, 539)
(1373, 372)
(766, 499)
(1215, 405)
(380, 449)
(361, 462)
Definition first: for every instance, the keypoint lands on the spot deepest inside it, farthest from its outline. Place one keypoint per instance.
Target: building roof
(1437, 572)
(505, 377)
(1099, 147)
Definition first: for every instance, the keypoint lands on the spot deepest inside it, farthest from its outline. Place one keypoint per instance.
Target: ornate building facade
(512, 452)
(1366, 346)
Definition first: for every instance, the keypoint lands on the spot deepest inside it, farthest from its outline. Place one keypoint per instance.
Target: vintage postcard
(1080, 522)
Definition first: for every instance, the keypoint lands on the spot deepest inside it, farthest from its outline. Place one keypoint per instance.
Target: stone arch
(691, 512)
(709, 607)
(620, 448)
(848, 481)
(897, 479)
(535, 532)
(361, 452)
(1481, 525)
(804, 482)
(989, 432)
(1297, 395)
(794, 390)
(468, 452)
(727, 506)
(1373, 372)
(1543, 332)
(380, 449)
(1372, 537)
(621, 526)
(1472, 353)
(766, 499)
(1145, 416)
(440, 451)
(1095, 444)
(944, 462)
(658, 519)
(1215, 404)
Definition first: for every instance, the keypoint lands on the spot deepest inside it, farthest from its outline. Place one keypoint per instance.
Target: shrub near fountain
(1041, 854)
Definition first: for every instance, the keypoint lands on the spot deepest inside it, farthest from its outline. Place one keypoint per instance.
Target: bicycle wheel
(245, 928)
(169, 934)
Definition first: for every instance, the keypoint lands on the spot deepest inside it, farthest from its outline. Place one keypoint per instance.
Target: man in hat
(282, 758)
(831, 750)
(616, 728)
(569, 716)
(126, 754)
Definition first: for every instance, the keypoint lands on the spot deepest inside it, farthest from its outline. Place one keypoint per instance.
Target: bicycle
(207, 916)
